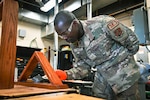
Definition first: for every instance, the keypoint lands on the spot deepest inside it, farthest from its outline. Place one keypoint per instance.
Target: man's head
(67, 26)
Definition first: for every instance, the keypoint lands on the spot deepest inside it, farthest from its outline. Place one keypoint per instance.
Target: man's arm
(80, 71)
(122, 34)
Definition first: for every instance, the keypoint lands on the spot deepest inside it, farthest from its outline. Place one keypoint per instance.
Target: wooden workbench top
(59, 97)
(22, 91)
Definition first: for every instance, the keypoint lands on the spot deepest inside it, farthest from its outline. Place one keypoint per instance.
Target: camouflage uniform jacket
(109, 46)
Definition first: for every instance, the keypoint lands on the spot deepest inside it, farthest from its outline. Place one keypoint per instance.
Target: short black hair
(65, 16)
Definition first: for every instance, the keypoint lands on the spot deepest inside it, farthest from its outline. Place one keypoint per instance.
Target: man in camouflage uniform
(107, 45)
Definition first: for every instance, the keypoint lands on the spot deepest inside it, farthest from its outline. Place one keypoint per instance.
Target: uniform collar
(87, 31)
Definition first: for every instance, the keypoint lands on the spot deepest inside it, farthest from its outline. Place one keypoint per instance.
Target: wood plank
(48, 69)
(43, 85)
(60, 97)
(39, 57)
(21, 91)
(1, 7)
(8, 43)
(27, 71)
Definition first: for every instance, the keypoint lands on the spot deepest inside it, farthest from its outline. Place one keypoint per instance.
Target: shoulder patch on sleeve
(112, 24)
(118, 32)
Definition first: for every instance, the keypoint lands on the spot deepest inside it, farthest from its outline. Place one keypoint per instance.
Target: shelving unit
(23, 55)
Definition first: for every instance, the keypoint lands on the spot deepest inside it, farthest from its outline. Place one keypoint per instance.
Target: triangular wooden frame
(39, 57)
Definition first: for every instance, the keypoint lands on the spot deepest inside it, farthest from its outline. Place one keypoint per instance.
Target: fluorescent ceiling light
(75, 5)
(49, 5)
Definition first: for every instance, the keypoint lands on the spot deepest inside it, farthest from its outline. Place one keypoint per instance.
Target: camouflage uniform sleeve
(81, 67)
(123, 35)
(78, 72)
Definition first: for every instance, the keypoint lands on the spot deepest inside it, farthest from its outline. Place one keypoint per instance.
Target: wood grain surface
(59, 97)
(21, 91)
(38, 57)
(8, 43)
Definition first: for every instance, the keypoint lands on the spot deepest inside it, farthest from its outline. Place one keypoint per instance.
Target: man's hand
(61, 74)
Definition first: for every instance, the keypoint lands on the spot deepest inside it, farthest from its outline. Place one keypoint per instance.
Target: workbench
(83, 87)
(25, 91)
(59, 97)
(20, 92)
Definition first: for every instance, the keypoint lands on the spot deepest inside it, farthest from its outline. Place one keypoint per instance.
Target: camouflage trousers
(130, 94)
(103, 90)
